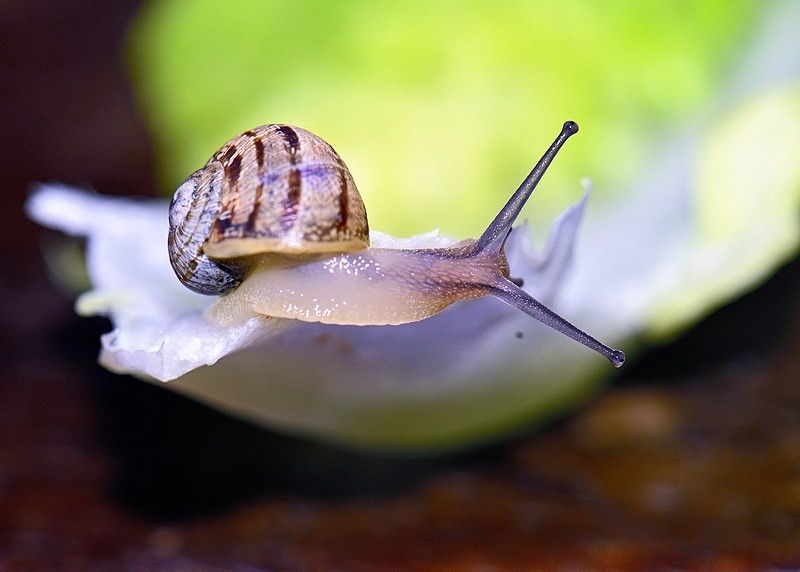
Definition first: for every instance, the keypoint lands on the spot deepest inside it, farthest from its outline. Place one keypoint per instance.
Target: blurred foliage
(439, 110)
(747, 201)
(751, 170)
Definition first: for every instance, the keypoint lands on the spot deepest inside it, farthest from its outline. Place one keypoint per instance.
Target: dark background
(692, 459)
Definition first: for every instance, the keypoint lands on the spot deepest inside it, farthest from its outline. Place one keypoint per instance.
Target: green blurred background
(439, 109)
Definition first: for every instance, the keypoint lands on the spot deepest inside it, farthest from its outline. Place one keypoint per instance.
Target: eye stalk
(511, 294)
(501, 225)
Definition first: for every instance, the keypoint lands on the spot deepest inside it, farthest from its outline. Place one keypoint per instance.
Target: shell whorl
(192, 212)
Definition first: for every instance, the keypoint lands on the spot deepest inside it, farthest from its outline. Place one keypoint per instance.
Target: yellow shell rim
(239, 247)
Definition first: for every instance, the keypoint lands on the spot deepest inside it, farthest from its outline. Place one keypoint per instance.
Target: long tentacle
(511, 294)
(495, 233)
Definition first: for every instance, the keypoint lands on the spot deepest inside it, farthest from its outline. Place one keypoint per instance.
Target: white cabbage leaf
(409, 385)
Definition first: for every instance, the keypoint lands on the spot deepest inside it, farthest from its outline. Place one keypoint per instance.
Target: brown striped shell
(274, 188)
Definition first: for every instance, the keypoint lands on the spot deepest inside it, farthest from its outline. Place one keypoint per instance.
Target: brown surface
(692, 461)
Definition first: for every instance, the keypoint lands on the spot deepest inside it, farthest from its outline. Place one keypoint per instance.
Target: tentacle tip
(617, 358)
(570, 128)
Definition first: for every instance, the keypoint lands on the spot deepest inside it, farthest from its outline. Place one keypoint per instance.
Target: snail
(274, 223)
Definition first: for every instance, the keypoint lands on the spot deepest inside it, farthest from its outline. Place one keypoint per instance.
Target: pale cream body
(365, 287)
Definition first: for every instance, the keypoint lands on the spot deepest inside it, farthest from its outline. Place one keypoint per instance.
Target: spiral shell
(274, 188)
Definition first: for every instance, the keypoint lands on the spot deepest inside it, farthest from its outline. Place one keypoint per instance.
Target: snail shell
(274, 188)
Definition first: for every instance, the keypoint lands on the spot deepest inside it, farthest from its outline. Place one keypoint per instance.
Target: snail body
(275, 224)
(375, 286)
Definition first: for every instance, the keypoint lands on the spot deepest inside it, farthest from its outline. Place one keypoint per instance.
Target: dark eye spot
(520, 335)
